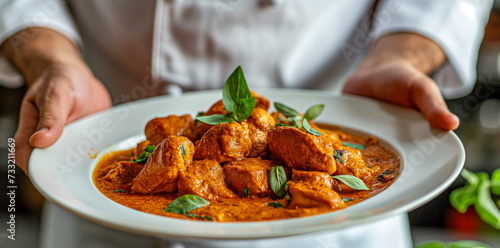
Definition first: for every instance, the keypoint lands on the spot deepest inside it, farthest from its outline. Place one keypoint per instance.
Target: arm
(61, 88)
(396, 70)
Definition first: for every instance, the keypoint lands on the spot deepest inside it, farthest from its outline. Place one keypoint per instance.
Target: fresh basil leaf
(431, 244)
(145, 155)
(337, 154)
(185, 203)
(235, 88)
(201, 113)
(355, 146)
(285, 110)
(314, 111)
(215, 119)
(246, 192)
(347, 199)
(351, 182)
(467, 244)
(484, 205)
(275, 204)
(495, 182)
(277, 180)
(309, 129)
(149, 149)
(244, 108)
(119, 191)
(296, 121)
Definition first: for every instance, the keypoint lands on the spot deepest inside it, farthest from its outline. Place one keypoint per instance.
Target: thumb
(426, 96)
(53, 114)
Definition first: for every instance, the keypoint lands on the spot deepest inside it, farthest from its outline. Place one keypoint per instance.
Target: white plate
(431, 160)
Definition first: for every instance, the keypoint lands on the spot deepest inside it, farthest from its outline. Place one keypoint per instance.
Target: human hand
(60, 91)
(397, 76)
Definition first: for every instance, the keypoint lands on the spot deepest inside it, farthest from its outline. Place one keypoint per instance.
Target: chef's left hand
(397, 69)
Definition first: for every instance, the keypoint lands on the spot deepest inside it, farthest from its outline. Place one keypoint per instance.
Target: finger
(54, 104)
(28, 119)
(427, 98)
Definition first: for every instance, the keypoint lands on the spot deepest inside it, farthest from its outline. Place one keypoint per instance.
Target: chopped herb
(201, 113)
(277, 180)
(236, 205)
(355, 146)
(145, 155)
(186, 203)
(238, 101)
(352, 182)
(347, 199)
(287, 196)
(183, 151)
(275, 204)
(200, 217)
(309, 129)
(385, 173)
(338, 156)
(119, 191)
(314, 111)
(281, 119)
(246, 192)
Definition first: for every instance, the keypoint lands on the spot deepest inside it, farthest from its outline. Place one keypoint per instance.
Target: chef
(80, 57)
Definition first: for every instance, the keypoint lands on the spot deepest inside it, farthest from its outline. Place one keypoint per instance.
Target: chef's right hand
(61, 88)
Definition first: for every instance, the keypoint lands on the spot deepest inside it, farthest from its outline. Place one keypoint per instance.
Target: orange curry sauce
(378, 158)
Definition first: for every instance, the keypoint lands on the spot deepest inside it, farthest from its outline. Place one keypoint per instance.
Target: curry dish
(262, 168)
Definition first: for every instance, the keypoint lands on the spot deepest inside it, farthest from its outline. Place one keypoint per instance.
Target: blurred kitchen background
(479, 113)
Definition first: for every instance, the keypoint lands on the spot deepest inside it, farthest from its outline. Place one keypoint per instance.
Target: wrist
(413, 49)
(34, 50)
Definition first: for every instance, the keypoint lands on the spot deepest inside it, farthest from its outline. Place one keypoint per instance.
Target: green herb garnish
(185, 203)
(145, 155)
(309, 129)
(183, 150)
(355, 146)
(495, 182)
(119, 191)
(206, 217)
(338, 156)
(277, 180)
(246, 192)
(314, 111)
(347, 199)
(286, 111)
(385, 173)
(351, 182)
(477, 192)
(456, 244)
(201, 113)
(283, 125)
(238, 101)
(275, 204)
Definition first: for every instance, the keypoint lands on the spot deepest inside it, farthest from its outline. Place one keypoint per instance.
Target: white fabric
(57, 223)
(144, 48)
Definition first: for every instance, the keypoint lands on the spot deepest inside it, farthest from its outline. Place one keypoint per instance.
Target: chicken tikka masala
(238, 162)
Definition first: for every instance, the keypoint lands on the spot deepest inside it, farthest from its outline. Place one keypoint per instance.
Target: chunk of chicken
(251, 173)
(224, 142)
(123, 172)
(218, 108)
(159, 128)
(309, 195)
(353, 164)
(205, 179)
(303, 151)
(163, 167)
(258, 124)
(313, 189)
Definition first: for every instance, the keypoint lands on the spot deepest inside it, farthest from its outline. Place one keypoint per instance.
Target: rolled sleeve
(456, 25)
(16, 15)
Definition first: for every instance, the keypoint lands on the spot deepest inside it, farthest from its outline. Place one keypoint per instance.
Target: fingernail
(41, 130)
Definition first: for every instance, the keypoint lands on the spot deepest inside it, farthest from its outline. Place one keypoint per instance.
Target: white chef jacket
(144, 48)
